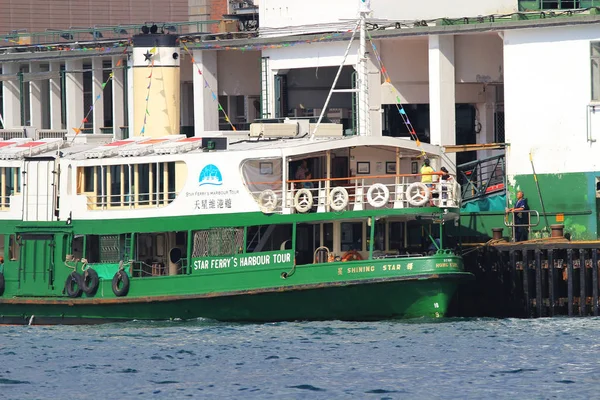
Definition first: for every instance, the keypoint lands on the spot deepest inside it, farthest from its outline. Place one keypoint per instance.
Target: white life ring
(303, 200)
(417, 194)
(338, 198)
(267, 201)
(378, 195)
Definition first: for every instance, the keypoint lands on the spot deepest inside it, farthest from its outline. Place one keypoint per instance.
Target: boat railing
(141, 269)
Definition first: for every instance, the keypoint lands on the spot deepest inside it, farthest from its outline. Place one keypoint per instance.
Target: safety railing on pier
(482, 177)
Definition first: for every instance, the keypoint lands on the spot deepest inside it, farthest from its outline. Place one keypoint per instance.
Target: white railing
(51, 134)
(119, 201)
(357, 194)
(7, 134)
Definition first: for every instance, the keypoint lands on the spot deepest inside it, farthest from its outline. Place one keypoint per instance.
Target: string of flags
(97, 98)
(398, 104)
(207, 86)
(150, 53)
(96, 47)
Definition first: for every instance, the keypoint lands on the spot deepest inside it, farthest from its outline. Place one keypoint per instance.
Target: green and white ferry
(163, 226)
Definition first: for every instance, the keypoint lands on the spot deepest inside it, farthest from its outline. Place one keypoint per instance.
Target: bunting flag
(207, 86)
(399, 107)
(147, 113)
(99, 96)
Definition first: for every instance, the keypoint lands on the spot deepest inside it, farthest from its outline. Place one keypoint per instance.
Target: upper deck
(52, 179)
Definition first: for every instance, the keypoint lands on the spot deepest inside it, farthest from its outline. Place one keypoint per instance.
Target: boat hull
(376, 299)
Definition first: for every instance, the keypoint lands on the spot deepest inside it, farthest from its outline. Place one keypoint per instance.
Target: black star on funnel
(147, 56)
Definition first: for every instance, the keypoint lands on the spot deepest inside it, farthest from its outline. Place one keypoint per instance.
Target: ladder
(264, 88)
(127, 256)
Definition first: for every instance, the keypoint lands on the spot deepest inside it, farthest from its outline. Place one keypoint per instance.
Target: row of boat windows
(152, 184)
(10, 183)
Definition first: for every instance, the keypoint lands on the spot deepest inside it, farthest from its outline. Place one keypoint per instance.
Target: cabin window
(111, 246)
(262, 174)
(379, 236)
(13, 248)
(397, 236)
(10, 184)
(131, 186)
(595, 59)
(218, 242)
(328, 235)
(352, 235)
(268, 238)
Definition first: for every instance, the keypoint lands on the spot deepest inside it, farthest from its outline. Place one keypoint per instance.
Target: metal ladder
(264, 87)
(127, 247)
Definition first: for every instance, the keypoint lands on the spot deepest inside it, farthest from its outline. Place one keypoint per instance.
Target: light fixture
(153, 29)
(96, 34)
(145, 30)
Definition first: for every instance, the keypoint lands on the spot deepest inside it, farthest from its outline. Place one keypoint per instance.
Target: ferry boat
(227, 226)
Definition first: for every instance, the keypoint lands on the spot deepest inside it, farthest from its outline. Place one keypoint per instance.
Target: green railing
(535, 5)
(101, 33)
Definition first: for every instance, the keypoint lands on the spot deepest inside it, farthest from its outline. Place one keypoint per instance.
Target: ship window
(10, 184)
(262, 174)
(379, 237)
(88, 179)
(352, 234)
(595, 61)
(13, 248)
(218, 242)
(268, 238)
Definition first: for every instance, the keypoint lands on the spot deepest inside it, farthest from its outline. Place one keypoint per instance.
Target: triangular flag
(143, 129)
(220, 108)
(147, 112)
(85, 120)
(205, 84)
(119, 62)
(401, 111)
(77, 130)
(111, 75)
(98, 97)
(153, 50)
(193, 61)
(214, 96)
(418, 142)
(103, 85)
(200, 72)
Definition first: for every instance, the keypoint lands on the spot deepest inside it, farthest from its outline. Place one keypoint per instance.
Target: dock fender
(1, 283)
(74, 285)
(120, 284)
(90, 282)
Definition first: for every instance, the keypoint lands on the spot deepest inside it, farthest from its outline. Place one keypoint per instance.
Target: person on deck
(521, 218)
(301, 171)
(309, 184)
(427, 173)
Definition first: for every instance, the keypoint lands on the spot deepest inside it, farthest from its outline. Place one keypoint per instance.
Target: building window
(10, 184)
(528, 5)
(595, 59)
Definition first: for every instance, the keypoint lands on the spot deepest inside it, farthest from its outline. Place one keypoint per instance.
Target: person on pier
(521, 218)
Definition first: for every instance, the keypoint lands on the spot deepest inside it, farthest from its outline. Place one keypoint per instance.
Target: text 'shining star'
(148, 55)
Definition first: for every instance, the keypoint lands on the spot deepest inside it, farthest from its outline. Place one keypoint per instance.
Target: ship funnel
(156, 85)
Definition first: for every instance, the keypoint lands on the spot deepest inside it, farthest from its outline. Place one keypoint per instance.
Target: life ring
(351, 255)
(90, 282)
(1, 283)
(338, 198)
(73, 285)
(303, 200)
(417, 194)
(120, 284)
(267, 201)
(378, 195)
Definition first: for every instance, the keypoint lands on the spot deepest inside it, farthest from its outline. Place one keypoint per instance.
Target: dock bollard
(497, 233)
(557, 230)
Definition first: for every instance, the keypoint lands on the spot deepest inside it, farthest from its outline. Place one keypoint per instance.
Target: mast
(364, 128)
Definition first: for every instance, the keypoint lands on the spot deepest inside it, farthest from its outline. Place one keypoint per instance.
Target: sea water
(419, 359)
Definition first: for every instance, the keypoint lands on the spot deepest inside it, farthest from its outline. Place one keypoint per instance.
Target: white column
(11, 112)
(55, 96)
(442, 112)
(130, 118)
(74, 94)
(206, 106)
(97, 94)
(118, 105)
(35, 97)
(374, 84)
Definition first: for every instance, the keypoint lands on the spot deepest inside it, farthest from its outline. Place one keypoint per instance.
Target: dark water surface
(482, 358)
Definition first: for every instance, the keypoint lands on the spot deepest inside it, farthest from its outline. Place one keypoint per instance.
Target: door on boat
(36, 265)
(39, 189)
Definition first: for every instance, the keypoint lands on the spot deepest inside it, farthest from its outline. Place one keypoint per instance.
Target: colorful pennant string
(147, 113)
(399, 107)
(207, 86)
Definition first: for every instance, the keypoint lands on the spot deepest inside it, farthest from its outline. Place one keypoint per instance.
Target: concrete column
(118, 104)
(55, 96)
(131, 122)
(374, 84)
(35, 97)
(97, 94)
(11, 112)
(74, 94)
(206, 105)
(442, 112)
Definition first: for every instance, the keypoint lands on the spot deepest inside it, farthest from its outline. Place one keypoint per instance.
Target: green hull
(419, 296)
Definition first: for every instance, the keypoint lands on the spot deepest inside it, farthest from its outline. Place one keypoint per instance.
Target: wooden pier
(535, 278)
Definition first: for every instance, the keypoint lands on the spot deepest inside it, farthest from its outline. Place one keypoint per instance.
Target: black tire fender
(74, 285)
(120, 284)
(90, 282)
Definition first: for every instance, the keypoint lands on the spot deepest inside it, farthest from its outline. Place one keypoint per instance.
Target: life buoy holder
(90, 282)
(351, 255)
(303, 200)
(378, 195)
(267, 201)
(2, 283)
(120, 284)
(73, 285)
(417, 194)
(338, 198)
